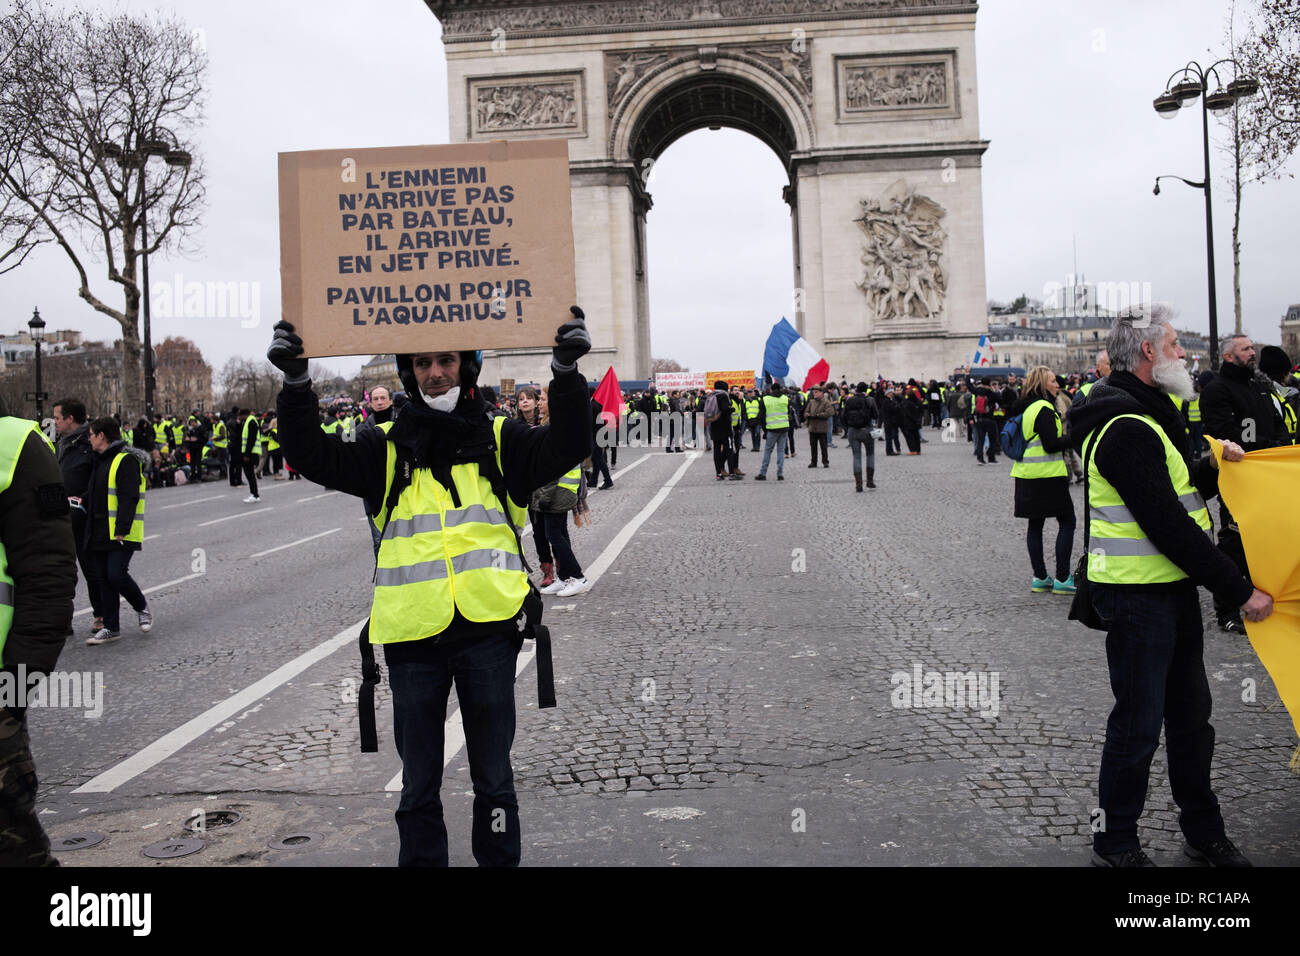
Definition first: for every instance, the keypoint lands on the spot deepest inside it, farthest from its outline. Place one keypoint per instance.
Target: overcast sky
(1065, 94)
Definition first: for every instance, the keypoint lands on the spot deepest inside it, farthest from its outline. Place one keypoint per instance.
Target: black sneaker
(1125, 858)
(1220, 852)
(760, 477)
(780, 477)
(1233, 625)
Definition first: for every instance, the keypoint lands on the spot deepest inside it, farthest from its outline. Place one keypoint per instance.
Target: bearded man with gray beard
(1148, 550)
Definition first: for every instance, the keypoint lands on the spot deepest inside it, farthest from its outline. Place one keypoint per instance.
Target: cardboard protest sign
(676, 381)
(426, 248)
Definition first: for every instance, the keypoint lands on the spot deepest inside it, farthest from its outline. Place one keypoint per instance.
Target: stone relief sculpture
(795, 67)
(565, 15)
(903, 255)
(622, 70)
(903, 86)
(526, 106)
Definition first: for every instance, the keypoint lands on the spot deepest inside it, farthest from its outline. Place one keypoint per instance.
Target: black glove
(572, 342)
(283, 354)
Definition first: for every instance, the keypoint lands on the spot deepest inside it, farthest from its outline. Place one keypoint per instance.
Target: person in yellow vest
(452, 595)
(273, 447)
(1043, 480)
(1276, 364)
(753, 419)
(1148, 550)
(249, 436)
(115, 527)
(38, 579)
(161, 435)
(776, 425)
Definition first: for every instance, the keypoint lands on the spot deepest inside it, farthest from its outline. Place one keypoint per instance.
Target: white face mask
(445, 402)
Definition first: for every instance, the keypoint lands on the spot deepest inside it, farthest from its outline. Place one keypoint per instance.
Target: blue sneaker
(1064, 587)
(1040, 585)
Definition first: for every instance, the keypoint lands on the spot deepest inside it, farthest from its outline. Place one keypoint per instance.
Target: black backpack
(855, 412)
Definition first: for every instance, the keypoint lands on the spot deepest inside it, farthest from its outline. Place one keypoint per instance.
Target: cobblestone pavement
(726, 691)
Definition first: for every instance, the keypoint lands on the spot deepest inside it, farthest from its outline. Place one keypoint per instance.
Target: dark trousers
(754, 428)
(89, 567)
(984, 429)
(236, 463)
(194, 452)
(818, 440)
(598, 465)
(115, 583)
(557, 536)
(892, 447)
(1154, 653)
(724, 452)
(1230, 544)
(1064, 545)
(912, 435)
(250, 472)
(860, 439)
(544, 555)
(483, 670)
(22, 840)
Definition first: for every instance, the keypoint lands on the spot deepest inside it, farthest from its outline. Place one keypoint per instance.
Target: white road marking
(170, 743)
(186, 504)
(626, 468)
(156, 587)
(292, 544)
(453, 730)
(204, 524)
(150, 537)
(314, 497)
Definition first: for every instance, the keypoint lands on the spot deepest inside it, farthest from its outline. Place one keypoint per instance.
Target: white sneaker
(574, 586)
(104, 636)
(146, 620)
(554, 587)
(252, 500)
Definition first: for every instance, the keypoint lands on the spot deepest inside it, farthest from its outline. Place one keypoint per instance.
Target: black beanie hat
(1274, 363)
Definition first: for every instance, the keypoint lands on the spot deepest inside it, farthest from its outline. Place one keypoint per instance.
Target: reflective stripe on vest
(436, 558)
(751, 409)
(776, 411)
(735, 412)
(13, 436)
(1194, 409)
(570, 480)
(1119, 551)
(136, 533)
(1037, 463)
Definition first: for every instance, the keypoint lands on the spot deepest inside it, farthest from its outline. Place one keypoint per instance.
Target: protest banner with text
(426, 248)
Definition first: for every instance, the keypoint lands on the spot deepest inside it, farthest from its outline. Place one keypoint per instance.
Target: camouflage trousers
(22, 840)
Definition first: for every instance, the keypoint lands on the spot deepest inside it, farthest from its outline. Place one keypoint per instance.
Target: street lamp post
(1195, 85)
(37, 326)
(137, 158)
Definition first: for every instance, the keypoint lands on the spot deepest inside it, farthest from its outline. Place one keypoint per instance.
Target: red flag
(610, 398)
(817, 374)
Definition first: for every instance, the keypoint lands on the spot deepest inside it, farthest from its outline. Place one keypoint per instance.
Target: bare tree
(658, 365)
(85, 98)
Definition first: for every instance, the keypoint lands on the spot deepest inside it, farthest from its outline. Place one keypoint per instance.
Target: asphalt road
(727, 690)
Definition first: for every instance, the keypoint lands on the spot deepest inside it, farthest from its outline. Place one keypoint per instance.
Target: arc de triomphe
(870, 105)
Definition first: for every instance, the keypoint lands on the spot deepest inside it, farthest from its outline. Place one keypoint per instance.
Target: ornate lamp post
(37, 326)
(1193, 85)
(137, 158)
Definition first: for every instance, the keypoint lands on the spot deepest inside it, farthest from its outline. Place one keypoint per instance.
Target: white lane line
(170, 743)
(626, 468)
(186, 504)
(156, 587)
(150, 537)
(453, 731)
(204, 524)
(293, 544)
(314, 497)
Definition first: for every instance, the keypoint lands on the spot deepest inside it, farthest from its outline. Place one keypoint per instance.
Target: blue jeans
(775, 438)
(860, 438)
(483, 670)
(1154, 653)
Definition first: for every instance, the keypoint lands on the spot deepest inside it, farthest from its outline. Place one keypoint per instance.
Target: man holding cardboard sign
(452, 600)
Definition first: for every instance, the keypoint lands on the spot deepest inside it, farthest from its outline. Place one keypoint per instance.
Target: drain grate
(171, 849)
(206, 820)
(294, 841)
(77, 841)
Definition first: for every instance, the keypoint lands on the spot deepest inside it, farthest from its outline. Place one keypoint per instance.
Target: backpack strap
(366, 693)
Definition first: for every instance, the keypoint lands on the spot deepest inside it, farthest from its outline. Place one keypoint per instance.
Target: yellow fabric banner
(1260, 491)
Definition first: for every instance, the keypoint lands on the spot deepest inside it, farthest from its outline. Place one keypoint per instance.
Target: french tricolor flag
(788, 358)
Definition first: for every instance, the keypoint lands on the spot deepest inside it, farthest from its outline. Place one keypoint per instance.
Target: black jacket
(530, 458)
(76, 460)
(860, 402)
(1231, 401)
(1132, 459)
(41, 556)
(98, 535)
(890, 413)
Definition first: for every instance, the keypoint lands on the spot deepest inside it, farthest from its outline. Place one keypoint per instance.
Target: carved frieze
(462, 21)
(623, 69)
(903, 255)
(536, 104)
(890, 86)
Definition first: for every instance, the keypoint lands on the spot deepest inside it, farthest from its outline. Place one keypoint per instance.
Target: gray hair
(1142, 324)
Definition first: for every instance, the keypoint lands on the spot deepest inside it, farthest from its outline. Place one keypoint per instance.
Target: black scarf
(1158, 405)
(437, 440)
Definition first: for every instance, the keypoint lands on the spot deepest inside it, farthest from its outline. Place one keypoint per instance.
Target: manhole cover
(77, 841)
(171, 849)
(293, 841)
(212, 820)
